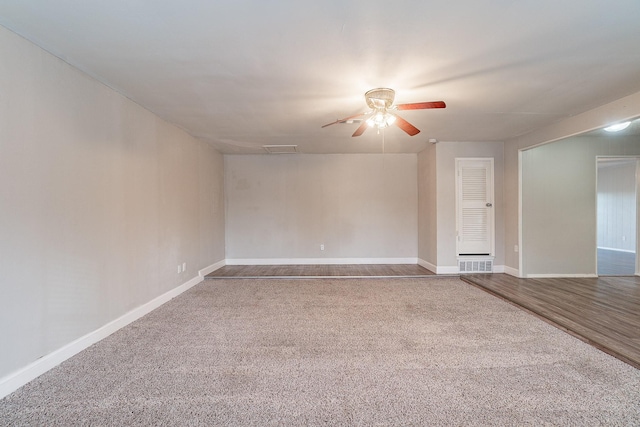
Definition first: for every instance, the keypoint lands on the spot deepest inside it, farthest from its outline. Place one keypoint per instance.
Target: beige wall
(100, 200)
(283, 207)
(511, 192)
(559, 203)
(427, 206)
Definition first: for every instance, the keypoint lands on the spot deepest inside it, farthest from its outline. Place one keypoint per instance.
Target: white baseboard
(557, 276)
(427, 265)
(15, 380)
(512, 271)
(448, 269)
(516, 273)
(212, 268)
(499, 268)
(439, 270)
(311, 261)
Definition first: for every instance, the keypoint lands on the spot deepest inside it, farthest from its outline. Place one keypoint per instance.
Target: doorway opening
(617, 216)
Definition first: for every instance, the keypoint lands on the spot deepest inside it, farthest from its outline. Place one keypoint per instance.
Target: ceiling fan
(380, 101)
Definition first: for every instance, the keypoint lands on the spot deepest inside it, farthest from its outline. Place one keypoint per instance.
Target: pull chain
(382, 141)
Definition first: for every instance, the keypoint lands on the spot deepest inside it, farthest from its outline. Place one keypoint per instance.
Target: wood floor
(604, 312)
(328, 270)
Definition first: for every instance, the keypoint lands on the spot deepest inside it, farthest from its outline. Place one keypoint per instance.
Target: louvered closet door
(474, 206)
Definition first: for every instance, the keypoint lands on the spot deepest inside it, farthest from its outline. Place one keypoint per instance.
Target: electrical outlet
(322, 247)
(179, 269)
(184, 266)
(515, 248)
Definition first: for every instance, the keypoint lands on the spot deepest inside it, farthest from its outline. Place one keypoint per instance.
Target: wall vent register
(476, 266)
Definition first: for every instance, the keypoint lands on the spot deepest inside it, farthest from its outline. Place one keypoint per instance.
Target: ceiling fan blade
(406, 126)
(363, 126)
(421, 105)
(344, 120)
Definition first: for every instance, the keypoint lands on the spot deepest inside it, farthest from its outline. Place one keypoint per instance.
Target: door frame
(637, 194)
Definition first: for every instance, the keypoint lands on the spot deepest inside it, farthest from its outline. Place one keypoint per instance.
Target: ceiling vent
(281, 149)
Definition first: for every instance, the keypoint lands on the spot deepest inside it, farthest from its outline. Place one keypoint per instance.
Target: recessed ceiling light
(617, 127)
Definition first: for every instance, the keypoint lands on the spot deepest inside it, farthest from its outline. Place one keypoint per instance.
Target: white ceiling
(245, 73)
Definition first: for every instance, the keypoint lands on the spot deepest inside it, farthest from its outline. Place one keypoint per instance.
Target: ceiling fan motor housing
(380, 98)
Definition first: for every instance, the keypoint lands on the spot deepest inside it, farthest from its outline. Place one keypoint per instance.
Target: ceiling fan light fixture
(381, 119)
(380, 101)
(617, 127)
(390, 119)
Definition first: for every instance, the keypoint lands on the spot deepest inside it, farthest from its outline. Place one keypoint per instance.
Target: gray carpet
(333, 352)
